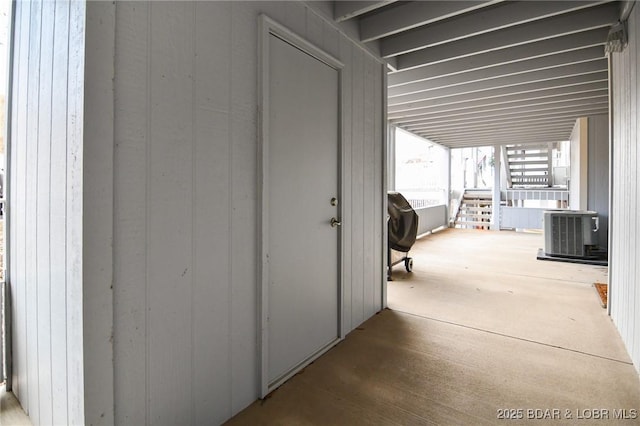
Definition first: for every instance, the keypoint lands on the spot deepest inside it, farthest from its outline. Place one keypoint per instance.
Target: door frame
(268, 28)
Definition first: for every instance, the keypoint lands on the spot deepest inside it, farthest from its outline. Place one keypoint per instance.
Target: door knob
(335, 222)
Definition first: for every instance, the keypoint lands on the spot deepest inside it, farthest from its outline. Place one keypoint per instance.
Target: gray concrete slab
(11, 412)
(478, 328)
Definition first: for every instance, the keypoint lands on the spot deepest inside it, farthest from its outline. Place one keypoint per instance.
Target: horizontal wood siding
(45, 210)
(185, 211)
(625, 221)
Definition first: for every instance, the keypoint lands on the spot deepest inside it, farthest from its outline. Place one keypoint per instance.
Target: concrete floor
(10, 410)
(478, 328)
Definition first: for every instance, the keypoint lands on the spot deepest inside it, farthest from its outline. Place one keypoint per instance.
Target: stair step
(474, 216)
(474, 219)
(518, 172)
(528, 147)
(472, 223)
(529, 155)
(477, 203)
(468, 213)
(485, 196)
(528, 152)
(528, 162)
(473, 209)
(531, 182)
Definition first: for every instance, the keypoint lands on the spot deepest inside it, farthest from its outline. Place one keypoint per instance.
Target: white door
(302, 197)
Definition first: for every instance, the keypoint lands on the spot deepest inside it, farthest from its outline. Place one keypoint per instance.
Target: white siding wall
(598, 174)
(579, 164)
(45, 210)
(185, 191)
(624, 246)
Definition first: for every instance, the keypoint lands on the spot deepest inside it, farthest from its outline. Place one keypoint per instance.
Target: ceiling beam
(512, 134)
(540, 120)
(561, 127)
(503, 110)
(500, 96)
(500, 16)
(523, 129)
(578, 112)
(582, 20)
(470, 143)
(592, 67)
(413, 14)
(556, 123)
(501, 57)
(512, 137)
(497, 105)
(522, 67)
(344, 10)
(497, 117)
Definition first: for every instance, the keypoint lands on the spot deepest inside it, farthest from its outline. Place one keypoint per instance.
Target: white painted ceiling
(474, 73)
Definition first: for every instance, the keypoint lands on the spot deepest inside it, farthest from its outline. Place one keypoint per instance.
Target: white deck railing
(516, 197)
(431, 218)
(515, 215)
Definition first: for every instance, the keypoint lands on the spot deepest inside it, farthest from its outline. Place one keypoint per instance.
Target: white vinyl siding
(45, 210)
(133, 189)
(625, 220)
(185, 184)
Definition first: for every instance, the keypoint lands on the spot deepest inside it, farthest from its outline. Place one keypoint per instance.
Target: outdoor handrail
(538, 194)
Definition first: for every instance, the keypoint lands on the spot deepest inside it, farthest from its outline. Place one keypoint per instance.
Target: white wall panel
(17, 200)
(598, 174)
(431, 218)
(357, 182)
(58, 228)
(521, 217)
(625, 222)
(74, 214)
(185, 191)
(130, 213)
(580, 161)
(243, 206)
(43, 215)
(45, 210)
(31, 206)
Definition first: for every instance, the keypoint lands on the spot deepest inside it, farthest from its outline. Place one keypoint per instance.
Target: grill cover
(403, 222)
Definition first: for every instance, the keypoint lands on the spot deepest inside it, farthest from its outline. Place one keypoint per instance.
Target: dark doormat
(602, 292)
(543, 256)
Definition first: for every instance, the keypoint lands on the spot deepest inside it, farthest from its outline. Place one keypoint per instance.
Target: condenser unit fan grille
(567, 235)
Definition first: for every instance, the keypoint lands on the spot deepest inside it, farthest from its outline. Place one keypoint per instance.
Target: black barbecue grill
(402, 230)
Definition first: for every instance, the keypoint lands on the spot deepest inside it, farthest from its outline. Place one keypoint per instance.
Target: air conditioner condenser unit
(570, 233)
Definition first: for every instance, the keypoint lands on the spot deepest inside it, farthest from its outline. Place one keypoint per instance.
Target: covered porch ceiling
(474, 73)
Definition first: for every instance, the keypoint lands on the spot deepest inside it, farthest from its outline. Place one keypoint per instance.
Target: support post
(391, 158)
(550, 146)
(448, 187)
(505, 155)
(495, 205)
(474, 156)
